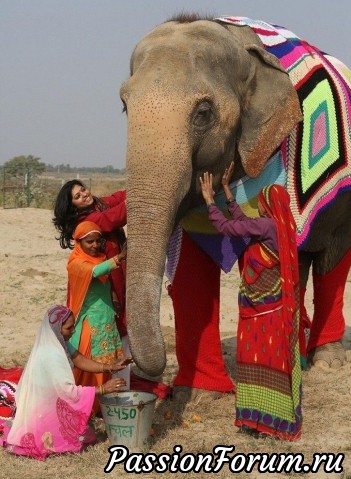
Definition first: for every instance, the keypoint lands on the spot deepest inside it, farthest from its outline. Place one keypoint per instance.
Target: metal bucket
(128, 417)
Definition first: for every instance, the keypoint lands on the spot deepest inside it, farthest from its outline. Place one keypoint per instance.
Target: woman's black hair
(66, 214)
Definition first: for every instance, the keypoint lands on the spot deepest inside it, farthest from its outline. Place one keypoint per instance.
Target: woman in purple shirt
(268, 358)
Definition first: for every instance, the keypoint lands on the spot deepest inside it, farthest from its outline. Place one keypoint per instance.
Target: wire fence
(40, 191)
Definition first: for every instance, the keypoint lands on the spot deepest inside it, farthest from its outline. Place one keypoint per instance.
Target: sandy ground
(33, 276)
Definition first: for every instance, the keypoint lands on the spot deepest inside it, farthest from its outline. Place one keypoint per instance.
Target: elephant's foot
(183, 394)
(330, 355)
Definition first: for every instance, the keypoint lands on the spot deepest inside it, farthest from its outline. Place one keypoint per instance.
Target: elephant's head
(200, 95)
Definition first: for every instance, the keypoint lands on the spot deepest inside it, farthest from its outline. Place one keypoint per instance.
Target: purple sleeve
(235, 211)
(241, 225)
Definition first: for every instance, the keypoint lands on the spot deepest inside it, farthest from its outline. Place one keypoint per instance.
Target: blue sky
(63, 61)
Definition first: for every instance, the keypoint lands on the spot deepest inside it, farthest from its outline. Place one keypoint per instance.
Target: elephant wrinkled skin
(200, 95)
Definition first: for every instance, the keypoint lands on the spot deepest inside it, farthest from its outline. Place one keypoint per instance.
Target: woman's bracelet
(117, 261)
(101, 389)
(229, 200)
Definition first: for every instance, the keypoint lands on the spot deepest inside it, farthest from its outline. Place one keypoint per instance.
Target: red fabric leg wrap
(195, 293)
(328, 323)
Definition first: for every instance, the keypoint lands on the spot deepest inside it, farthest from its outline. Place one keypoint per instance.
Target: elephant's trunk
(154, 194)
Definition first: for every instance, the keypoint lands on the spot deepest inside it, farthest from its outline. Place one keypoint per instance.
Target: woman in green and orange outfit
(89, 297)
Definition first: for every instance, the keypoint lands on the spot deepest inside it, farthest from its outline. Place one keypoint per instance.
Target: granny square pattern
(313, 162)
(317, 153)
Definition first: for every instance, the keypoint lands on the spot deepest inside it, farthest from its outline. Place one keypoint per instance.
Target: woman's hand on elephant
(227, 174)
(120, 364)
(206, 187)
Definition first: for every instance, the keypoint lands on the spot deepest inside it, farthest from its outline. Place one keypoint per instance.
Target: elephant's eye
(203, 114)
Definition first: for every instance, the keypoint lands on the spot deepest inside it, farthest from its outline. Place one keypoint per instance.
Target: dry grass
(198, 427)
(33, 275)
(201, 425)
(44, 189)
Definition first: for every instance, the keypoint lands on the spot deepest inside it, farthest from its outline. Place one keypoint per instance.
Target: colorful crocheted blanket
(313, 162)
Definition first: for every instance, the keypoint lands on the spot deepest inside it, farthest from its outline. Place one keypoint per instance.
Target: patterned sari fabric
(52, 412)
(317, 154)
(313, 162)
(89, 297)
(268, 357)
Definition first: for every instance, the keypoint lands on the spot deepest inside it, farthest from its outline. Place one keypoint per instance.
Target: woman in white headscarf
(52, 413)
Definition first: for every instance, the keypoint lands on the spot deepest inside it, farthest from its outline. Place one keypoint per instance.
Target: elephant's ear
(271, 110)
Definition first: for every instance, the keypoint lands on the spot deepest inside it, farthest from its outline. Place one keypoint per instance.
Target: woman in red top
(74, 204)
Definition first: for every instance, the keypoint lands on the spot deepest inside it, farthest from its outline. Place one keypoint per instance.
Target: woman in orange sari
(268, 356)
(89, 297)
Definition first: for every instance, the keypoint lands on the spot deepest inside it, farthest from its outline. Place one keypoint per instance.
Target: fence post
(27, 184)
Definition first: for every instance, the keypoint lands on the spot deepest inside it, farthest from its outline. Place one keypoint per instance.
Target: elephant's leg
(305, 261)
(195, 295)
(328, 325)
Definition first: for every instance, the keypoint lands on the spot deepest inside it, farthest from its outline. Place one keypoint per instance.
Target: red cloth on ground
(9, 379)
(328, 323)
(198, 343)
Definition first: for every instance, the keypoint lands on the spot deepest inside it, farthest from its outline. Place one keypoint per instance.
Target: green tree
(20, 166)
(21, 177)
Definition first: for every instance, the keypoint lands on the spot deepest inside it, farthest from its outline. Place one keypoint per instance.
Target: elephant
(203, 92)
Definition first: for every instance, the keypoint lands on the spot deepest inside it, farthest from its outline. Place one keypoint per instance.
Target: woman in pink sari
(52, 413)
